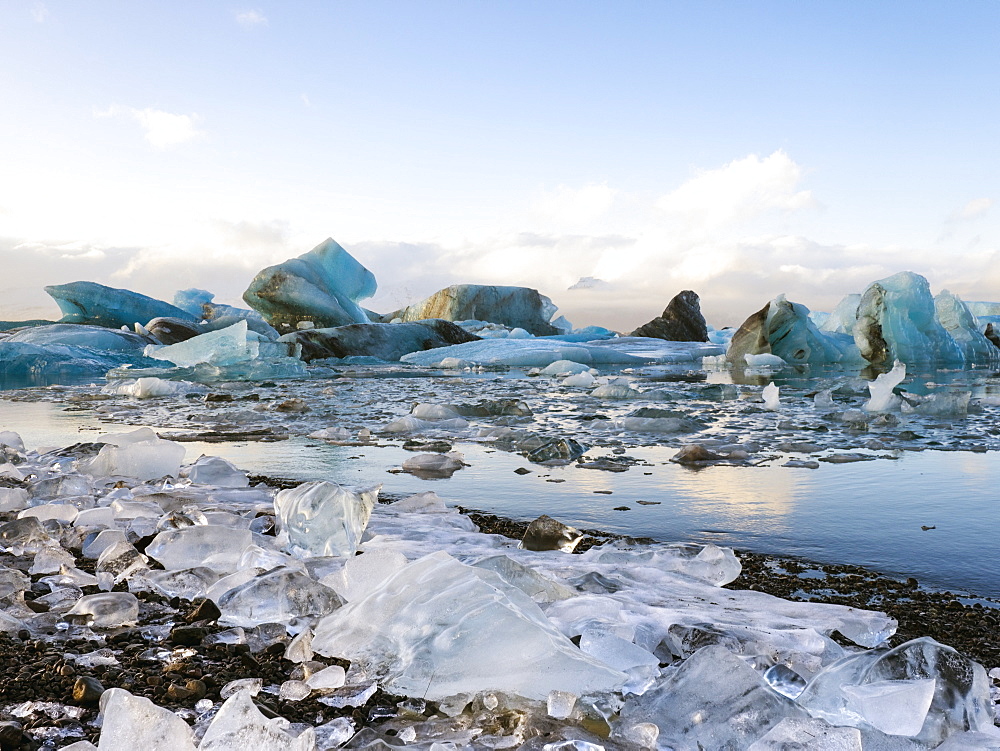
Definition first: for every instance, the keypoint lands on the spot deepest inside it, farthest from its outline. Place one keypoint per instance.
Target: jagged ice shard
(323, 286)
(439, 628)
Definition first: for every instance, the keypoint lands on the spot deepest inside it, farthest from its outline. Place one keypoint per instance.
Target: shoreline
(919, 611)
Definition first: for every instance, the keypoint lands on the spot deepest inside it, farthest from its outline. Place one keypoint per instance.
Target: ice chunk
(783, 329)
(120, 560)
(94, 337)
(323, 518)
(49, 560)
(327, 678)
(581, 380)
(522, 352)
(620, 388)
(87, 302)
(438, 628)
(140, 454)
(713, 700)
(565, 368)
(560, 704)
(882, 398)
(24, 536)
(323, 286)
(223, 347)
(278, 596)
(364, 573)
(104, 539)
(896, 320)
(62, 512)
(188, 583)
(106, 609)
(215, 546)
(890, 688)
(894, 707)
(617, 652)
(764, 361)
(516, 307)
(239, 725)
(12, 499)
(151, 386)
(956, 318)
(534, 584)
(434, 465)
(214, 470)
(424, 411)
(134, 722)
(771, 397)
(808, 735)
(384, 341)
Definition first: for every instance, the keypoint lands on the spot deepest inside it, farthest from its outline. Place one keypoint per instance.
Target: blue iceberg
(89, 302)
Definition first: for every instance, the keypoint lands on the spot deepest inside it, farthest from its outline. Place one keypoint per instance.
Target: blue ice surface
(89, 302)
(27, 364)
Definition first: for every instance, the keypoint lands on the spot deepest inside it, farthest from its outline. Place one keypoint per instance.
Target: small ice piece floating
(433, 466)
(323, 286)
(89, 302)
(323, 518)
(438, 628)
(515, 307)
(227, 346)
(771, 397)
(881, 389)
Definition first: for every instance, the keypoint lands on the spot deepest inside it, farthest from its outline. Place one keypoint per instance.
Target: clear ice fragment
(107, 609)
(323, 518)
(134, 722)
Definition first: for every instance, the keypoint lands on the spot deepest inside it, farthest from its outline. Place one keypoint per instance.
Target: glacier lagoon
(249, 551)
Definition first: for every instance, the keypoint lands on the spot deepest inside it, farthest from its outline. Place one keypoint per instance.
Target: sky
(608, 154)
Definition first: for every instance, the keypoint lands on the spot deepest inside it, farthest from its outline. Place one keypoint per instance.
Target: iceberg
(522, 353)
(681, 321)
(224, 347)
(897, 320)
(386, 341)
(784, 329)
(89, 302)
(36, 362)
(514, 307)
(81, 335)
(962, 326)
(438, 628)
(322, 286)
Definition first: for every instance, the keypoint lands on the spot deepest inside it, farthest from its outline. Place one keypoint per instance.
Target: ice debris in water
(150, 387)
(434, 465)
(771, 397)
(438, 628)
(323, 518)
(882, 397)
(226, 346)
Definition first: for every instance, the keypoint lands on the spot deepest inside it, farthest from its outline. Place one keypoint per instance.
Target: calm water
(868, 513)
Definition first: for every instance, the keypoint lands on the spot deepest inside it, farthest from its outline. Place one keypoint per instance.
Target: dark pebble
(204, 610)
(188, 636)
(87, 691)
(10, 735)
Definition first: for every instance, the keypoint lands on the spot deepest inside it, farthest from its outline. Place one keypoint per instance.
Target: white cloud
(974, 209)
(161, 129)
(251, 18)
(39, 12)
(741, 190)
(574, 206)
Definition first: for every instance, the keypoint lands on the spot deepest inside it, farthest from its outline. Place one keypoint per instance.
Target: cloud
(161, 129)
(741, 190)
(974, 209)
(249, 19)
(39, 12)
(574, 206)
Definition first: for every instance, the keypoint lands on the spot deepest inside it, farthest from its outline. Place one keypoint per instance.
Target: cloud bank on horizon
(241, 155)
